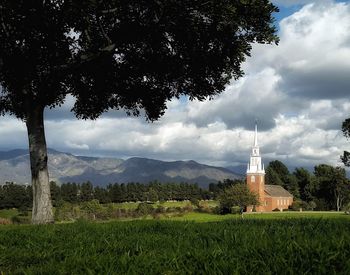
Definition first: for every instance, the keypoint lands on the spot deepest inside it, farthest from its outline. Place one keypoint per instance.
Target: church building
(271, 197)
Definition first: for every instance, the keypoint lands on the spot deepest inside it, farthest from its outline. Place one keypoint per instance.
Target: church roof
(277, 191)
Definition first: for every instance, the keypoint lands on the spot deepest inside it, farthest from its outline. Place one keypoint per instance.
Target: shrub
(235, 210)
(195, 202)
(20, 219)
(311, 205)
(298, 204)
(188, 208)
(5, 221)
(64, 212)
(144, 209)
(94, 210)
(160, 209)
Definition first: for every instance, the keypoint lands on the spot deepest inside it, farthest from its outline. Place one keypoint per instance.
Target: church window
(253, 179)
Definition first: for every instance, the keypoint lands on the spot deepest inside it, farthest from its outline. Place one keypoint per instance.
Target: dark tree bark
(42, 206)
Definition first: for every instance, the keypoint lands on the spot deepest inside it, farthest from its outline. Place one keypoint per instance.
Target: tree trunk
(42, 206)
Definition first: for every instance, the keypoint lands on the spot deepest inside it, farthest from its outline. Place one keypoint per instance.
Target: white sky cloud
(298, 91)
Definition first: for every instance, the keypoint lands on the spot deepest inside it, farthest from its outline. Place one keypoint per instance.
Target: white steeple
(256, 135)
(255, 166)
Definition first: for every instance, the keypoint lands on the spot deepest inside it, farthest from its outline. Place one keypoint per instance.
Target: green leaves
(128, 54)
(345, 158)
(237, 195)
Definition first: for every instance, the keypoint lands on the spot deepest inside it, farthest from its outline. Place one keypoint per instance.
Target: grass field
(206, 217)
(276, 243)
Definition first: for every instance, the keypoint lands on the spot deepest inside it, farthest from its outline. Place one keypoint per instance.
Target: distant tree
(69, 192)
(280, 169)
(115, 192)
(333, 186)
(127, 55)
(305, 182)
(291, 184)
(277, 173)
(152, 195)
(86, 191)
(101, 194)
(346, 131)
(237, 195)
(55, 193)
(217, 188)
(15, 196)
(271, 177)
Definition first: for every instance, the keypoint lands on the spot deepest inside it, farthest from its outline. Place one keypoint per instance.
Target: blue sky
(299, 91)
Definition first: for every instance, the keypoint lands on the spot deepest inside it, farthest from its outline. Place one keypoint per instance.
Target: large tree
(277, 173)
(237, 195)
(118, 54)
(333, 186)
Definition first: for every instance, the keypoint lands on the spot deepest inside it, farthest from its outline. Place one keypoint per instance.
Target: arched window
(252, 179)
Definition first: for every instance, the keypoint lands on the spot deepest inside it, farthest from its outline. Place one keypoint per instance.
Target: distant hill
(65, 167)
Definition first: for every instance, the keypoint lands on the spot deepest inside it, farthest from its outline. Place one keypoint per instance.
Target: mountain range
(65, 167)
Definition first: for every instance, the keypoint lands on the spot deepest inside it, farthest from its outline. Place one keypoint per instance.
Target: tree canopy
(124, 53)
(346, 131)
(133, 55)
(237, 195)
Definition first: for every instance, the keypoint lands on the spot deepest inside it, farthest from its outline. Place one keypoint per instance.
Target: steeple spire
(255, 165)
(256, 134)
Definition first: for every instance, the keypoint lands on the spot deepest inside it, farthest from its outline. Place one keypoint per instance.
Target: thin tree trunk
(42, 206)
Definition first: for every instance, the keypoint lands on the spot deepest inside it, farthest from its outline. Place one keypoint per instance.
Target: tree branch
(85, 58)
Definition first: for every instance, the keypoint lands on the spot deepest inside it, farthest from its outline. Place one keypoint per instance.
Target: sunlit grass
(275, 243)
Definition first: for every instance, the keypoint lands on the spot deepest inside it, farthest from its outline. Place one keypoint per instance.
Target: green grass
(173, 204)
(201, 217)
(206, 217)
(133, 205)
(278, 243)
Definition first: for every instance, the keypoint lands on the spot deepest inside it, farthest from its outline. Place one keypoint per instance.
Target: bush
(144, 209)
(235, 210)
(195, 202)
(311, 205)
(94, 210)
(187, 208)
(299, 204)
(64, 212)
(5, 221)
(160, 209)
(20, 220)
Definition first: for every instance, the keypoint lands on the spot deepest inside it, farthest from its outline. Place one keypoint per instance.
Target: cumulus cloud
(288, 3)
(308, 65)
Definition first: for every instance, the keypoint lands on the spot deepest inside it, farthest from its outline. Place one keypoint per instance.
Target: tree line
(20, 196)
(326, 188)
